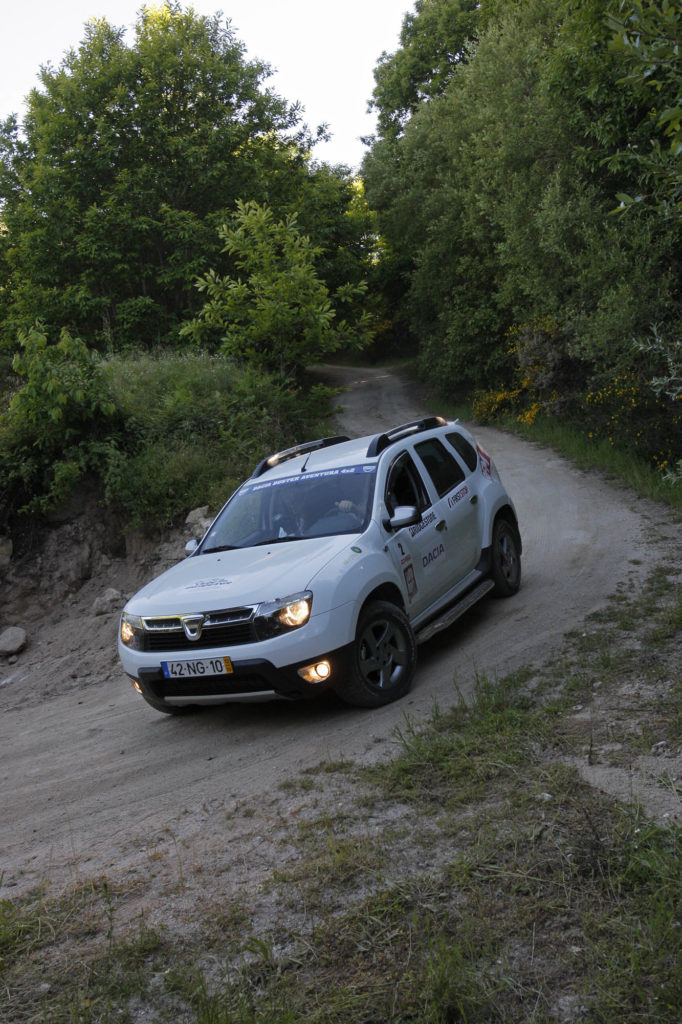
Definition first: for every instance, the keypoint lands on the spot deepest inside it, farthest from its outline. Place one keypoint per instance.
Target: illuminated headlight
(131, 628)
(281, 616)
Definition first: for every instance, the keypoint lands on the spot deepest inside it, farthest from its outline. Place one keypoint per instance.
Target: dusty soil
(93, 781)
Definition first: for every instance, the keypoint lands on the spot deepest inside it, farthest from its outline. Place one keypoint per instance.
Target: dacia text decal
(433, 555)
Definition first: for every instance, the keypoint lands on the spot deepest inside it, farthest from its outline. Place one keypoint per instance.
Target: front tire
(505, 569)
(384, 658)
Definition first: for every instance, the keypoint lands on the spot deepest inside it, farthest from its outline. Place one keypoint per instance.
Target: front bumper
(269, 666)
(251, 679)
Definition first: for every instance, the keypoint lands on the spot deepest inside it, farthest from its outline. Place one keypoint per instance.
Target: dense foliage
(139, 172)
(129, 159)
(496, 182)
(647, 36)
(58, 425)
(194, 426)
(156, 434)
(275, 312)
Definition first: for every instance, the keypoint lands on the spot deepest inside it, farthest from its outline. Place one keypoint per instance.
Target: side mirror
(191, 546)
(404, 515)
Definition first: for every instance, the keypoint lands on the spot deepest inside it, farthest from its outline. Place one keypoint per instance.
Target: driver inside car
(311, 510)
(353, 497)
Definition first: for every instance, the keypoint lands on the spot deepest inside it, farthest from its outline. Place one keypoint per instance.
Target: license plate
(196, 669)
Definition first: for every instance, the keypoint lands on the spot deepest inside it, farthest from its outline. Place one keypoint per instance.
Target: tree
(433, 41)
(495, 200)
(434, 45)
(275, 312)
(128, 160)
(648, 37)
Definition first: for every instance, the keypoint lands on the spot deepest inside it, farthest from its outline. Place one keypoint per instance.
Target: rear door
(457, 520)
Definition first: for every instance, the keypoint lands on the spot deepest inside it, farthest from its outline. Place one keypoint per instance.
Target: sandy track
(90, 773)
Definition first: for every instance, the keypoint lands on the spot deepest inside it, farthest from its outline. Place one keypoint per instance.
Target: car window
(442, 467)
(404, 485)
(464, 449)
(320, 504)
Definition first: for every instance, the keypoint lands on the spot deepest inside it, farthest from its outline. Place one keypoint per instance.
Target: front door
(414, 549)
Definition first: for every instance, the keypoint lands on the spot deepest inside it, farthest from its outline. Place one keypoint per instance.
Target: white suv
(326, 568)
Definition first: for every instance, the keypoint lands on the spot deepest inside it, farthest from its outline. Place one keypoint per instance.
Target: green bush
(194, 426)
(59, 425)
(161, 434)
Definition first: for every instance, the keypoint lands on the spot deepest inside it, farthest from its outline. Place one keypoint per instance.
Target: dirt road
(89, 774)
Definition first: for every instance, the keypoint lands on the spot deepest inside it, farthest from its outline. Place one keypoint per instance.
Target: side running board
(453, 613)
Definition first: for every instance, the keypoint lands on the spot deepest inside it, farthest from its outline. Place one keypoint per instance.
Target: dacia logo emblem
(192, 625)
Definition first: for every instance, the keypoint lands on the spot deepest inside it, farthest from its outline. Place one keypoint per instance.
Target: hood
(228, 579)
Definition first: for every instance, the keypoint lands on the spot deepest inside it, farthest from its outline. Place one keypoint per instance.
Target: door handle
(442, 525)
(474, 499)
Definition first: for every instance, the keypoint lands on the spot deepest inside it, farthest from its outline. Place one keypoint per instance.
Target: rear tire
(384, 658)
(505, 570)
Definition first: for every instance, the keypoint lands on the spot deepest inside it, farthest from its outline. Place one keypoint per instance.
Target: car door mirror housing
(404, 515)
(191, 546)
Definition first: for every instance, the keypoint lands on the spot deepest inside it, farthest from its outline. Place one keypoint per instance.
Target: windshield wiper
(221, 547)
(278, 540)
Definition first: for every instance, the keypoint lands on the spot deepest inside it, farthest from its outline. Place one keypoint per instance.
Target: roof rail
(382, 441)
(290, 453)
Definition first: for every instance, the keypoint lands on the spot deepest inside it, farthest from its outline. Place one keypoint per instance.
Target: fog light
(316, 673)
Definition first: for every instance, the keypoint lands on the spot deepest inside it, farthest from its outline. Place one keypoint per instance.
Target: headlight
(130, 629)
(286, 613)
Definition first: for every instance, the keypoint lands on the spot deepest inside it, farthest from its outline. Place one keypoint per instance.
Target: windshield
(316, 504)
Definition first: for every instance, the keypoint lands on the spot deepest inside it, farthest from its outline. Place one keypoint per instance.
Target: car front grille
(228, 628)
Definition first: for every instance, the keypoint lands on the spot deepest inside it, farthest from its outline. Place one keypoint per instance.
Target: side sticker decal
(432, 556)
(426, 521)
(484, 460)
(410, 580)
(457, 496)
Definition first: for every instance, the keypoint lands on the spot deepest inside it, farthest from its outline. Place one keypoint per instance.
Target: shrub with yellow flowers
(627, 405)
(625, 410)
(544, 378)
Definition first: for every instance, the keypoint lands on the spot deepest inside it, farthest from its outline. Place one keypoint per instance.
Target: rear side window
(464, 449)
(441, 466)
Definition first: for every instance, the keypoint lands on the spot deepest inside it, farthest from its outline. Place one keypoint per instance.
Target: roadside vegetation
(171, 260)
(515, 229)
(526, 178)
(617, 462)
(159, 432)
(614, 459)
(471, 875)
